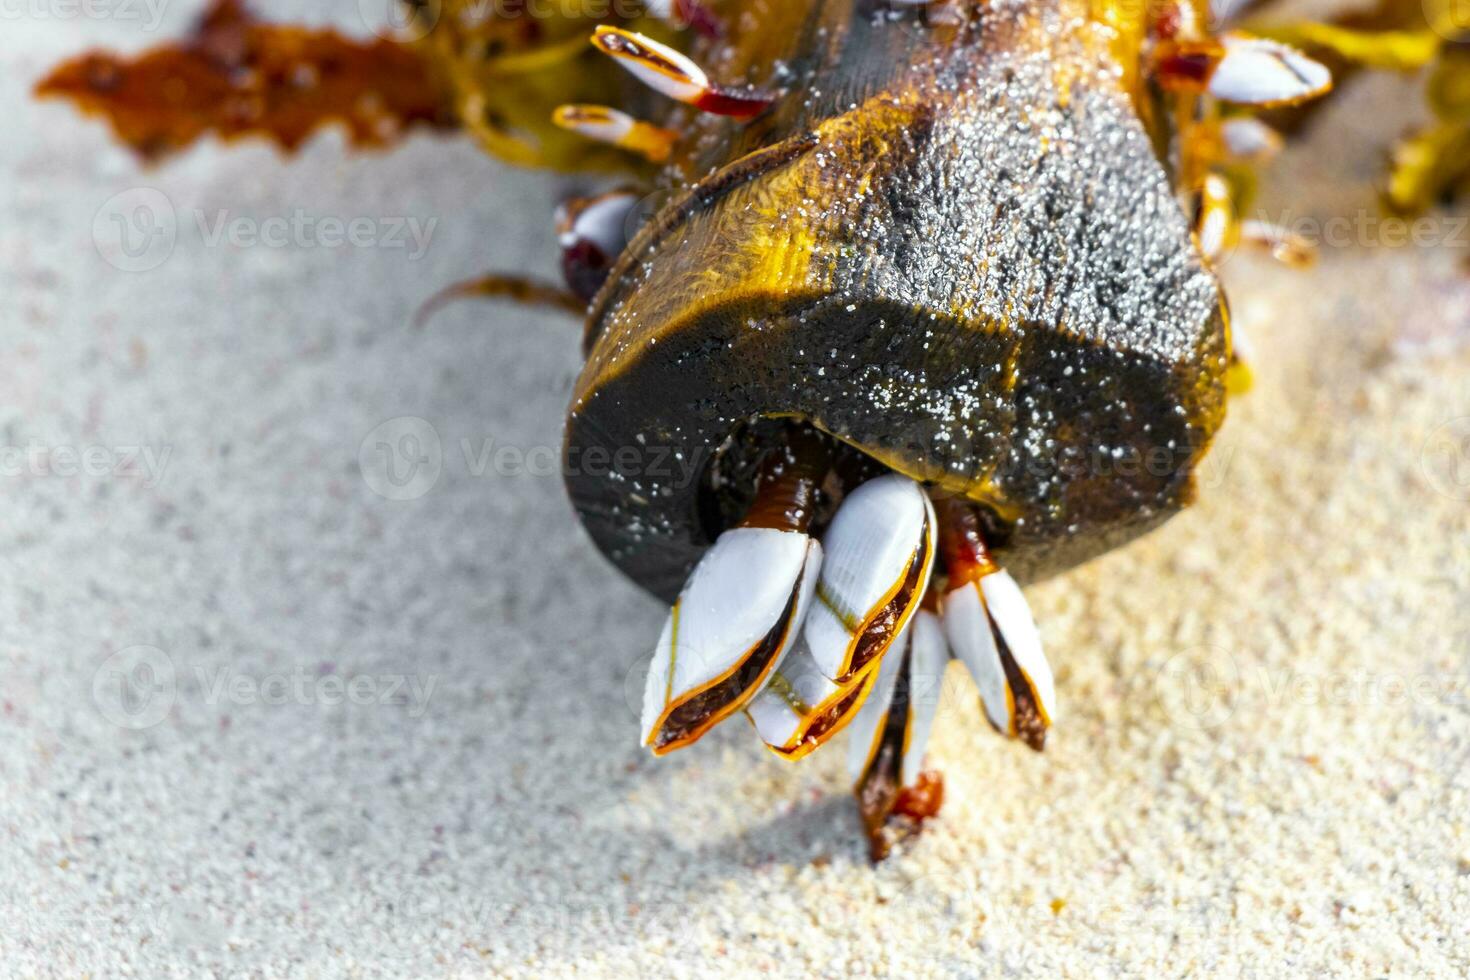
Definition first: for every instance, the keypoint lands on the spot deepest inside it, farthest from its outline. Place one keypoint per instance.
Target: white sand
(1263, 767)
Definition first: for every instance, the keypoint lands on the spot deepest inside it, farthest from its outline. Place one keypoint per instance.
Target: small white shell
(967, 627)
(603, 222)
(1260, 72)
(683, 81)
(740, 592)
(596, 122)
(879, 533)
(796, 697)
(1011, 615)
(1249, 139)
(1216, 222)
(974, 614)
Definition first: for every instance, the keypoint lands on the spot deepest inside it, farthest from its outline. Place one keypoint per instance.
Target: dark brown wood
(950, 245)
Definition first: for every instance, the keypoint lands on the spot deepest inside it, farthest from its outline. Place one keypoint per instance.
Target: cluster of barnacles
(836, 601)
(806, 632)
(810, 625)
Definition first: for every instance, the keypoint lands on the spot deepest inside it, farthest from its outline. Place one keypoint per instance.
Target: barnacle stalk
(810, 222)
(895, 792)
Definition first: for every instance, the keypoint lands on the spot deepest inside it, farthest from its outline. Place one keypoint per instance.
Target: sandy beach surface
(308, 669)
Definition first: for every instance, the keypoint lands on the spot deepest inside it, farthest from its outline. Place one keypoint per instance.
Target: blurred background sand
(259, 718)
